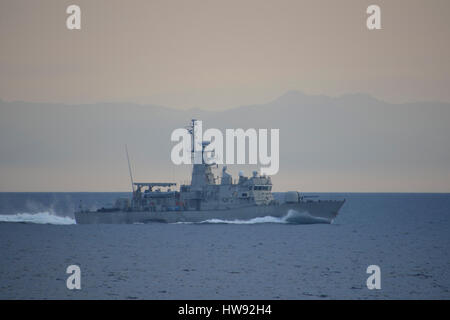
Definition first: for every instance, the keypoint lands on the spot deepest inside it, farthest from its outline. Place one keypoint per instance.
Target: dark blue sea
(406, 235)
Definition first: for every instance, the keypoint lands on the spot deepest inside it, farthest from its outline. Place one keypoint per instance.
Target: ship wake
(37, 218)
(292, 217)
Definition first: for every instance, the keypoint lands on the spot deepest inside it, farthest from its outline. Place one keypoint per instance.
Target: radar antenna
(190, 129)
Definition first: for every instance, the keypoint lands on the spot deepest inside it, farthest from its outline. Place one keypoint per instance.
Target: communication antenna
(190, 129)
(129, 169)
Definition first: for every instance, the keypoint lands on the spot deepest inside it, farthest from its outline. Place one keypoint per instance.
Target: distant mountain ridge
(352, 142)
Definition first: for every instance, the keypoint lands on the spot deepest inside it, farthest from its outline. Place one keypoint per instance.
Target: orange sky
(220, 54)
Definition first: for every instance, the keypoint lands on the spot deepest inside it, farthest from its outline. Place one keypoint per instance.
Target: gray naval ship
(210, 198)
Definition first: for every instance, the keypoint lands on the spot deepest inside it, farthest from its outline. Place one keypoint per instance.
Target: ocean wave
(292, 217)
(38, 218)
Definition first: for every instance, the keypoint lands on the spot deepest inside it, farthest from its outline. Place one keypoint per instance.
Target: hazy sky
(219, 54)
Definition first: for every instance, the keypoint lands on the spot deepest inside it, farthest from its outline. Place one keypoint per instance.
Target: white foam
(292, 217)
(38, 218)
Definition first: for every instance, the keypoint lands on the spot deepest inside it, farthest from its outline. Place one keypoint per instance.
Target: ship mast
(201, 171)
(129, 169)
(190, 129)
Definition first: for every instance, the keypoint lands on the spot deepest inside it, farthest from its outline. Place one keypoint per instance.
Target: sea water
(406, 235)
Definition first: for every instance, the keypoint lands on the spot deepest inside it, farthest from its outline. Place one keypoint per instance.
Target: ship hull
(301, 212)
